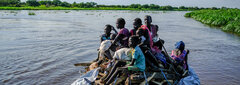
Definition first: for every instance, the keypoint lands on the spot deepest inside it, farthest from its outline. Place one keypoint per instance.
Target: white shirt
(123, 54)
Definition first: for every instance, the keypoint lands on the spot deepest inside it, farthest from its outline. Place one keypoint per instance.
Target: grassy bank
(62, 8)
(59, 5)
(227, 19)
(92, 8)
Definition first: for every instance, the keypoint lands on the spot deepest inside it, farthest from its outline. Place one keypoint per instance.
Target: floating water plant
(31, 13)
(227, 19)
(13, 12)
(67, 11)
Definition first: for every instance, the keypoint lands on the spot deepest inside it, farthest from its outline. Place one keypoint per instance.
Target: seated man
(144, 41)
(124, 31)
(151, 59)
(122, 36)
(107, 33)
(180, 55)
(137, 63)
(136, 24)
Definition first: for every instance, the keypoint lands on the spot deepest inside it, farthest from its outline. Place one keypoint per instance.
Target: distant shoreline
(59, 5)
(98, 8)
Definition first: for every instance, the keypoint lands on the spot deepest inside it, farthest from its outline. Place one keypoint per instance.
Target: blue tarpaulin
(192, 79)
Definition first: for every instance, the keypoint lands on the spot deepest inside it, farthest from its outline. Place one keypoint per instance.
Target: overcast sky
(199, 3)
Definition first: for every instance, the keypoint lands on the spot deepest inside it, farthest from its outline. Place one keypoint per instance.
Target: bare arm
(107, 53)
(114, 30)
(133, 60)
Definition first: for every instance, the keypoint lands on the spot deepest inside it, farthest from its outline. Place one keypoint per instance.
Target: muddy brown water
(42, 49)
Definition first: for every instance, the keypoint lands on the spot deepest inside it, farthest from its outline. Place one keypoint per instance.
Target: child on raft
(144, 41)
(121, 38)
(180, 55)
(107, 33)
(137, 22)
(137, 63)
(103, 47)
(152, 28)
(123, 34)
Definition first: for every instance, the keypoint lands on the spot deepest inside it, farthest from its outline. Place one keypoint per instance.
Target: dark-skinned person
(107, 33)
(137, 22)
(146, 44)
(137, 63)
(157, 51)
(151, 59)
(103, 47)
(156, 43)
(120, 58)
(144, 40)
(152, 28)
(122, 36)
(147, 35)
(180, 55)
(102, 59)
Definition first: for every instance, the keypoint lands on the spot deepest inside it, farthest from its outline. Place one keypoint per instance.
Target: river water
(41, 49)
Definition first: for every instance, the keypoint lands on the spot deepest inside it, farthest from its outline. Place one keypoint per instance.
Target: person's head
(108, 29)
(140, 32)
(137, 23)
(180, 45)
(148, 20)
(120, 23)
(134, 41)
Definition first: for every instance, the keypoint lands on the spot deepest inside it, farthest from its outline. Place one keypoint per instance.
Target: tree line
(53, 3)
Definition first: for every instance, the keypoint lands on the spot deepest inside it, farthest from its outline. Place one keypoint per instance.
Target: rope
(163, 47)
(165, 77)
(168, 55)
(115, 81)
(170, 65)
(175, 83)
(145, 78)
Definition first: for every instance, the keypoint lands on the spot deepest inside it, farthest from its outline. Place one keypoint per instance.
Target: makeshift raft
(171, 74)
(160, 77)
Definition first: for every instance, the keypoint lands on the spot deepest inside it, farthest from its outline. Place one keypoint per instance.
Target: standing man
(152, 28)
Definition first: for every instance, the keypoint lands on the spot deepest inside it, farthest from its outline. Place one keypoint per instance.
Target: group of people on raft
(136, 50)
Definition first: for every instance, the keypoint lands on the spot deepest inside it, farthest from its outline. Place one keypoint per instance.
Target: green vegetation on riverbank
(227, 19)
(59, 5)
(63, 8)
